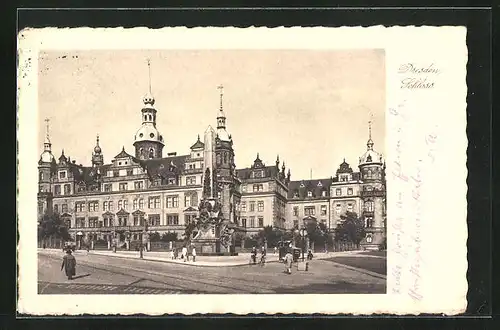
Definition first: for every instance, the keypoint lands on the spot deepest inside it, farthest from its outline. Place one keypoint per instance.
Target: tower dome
(97, 148)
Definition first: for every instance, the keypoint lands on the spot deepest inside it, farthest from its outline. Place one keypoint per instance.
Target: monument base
(206, 246)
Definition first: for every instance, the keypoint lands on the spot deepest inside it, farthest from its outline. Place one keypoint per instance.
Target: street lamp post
(303, 234)
(144, 233)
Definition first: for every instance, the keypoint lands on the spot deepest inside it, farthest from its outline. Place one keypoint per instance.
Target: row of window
(260, 206)
(338, 192)
(255, 188)
(369, 206)
(137, 220)
(251, 223)
(137, 204)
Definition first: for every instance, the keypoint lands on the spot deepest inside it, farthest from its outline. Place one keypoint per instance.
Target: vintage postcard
(258, 170)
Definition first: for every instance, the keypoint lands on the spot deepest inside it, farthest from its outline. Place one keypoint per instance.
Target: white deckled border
(440, 113)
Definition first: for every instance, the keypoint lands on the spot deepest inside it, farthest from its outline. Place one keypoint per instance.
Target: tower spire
(47, 120)
(369, 144)
(149, 71)
(221, 89)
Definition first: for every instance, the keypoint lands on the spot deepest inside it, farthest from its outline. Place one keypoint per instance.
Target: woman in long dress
(288, 262)
(69, 265)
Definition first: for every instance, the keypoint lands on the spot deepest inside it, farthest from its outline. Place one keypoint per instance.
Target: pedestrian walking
(69, 264)
(194, 254)
(184, 253)
(288, 262)
(172, 254)
(275, 250)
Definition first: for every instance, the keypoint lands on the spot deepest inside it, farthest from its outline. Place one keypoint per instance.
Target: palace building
(147, 190)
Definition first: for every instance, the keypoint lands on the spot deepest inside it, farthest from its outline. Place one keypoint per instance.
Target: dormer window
(296, 194)
(302, 185)
(309, 194)
(319, 184)
(323, 193)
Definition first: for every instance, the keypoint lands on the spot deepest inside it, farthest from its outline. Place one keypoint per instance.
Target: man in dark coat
(69, 264)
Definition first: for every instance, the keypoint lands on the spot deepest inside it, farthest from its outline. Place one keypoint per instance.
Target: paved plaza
(102, 272)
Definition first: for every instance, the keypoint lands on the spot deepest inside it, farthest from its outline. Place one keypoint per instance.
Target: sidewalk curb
(360, 270)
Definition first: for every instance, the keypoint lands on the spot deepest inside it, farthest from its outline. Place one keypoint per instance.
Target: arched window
(41, 176)
(369, 174)
(369, 238)
(225, 158)
(151, 153)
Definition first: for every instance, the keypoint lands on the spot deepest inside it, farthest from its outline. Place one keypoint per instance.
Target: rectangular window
(187, 201)
(111, 205)
(116, 173)
(134, 204)
(125, 204)
(338, 208)
(154, 219)
(252, 222)
(323, 209)
(261, 222)
(130, 172)
(80, 207)
(154, 202)
(93, 206)
(108, 187)
(188, 218)
(93, 222)
(309, 210)
(105, 206)
(171, 180)
(190, 180)
(80, 222)
(243, 222)
(349, 207)
(172, 219)
(252, 207)
(295, 210)
(244, 188)
(120, 204)
(67, 189)
(243, 206)
(138, 185)
(258, 187)
(62, 175)
(141, 203)
(338, 192)
(295, 223)
(64, 208)
(57, 190)
(40, 209)
(260, 206)
(172, 201)
(349, 191)
(123, 186)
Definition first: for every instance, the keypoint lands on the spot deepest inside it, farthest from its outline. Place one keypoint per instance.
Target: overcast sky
(310, 107)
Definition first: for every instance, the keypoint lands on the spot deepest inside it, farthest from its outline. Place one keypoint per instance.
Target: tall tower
(148, 141)
(97, 157)
(225, 166)
(46, 168)
(371, 166)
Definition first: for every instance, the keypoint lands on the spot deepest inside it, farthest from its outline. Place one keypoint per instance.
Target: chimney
(170, 154)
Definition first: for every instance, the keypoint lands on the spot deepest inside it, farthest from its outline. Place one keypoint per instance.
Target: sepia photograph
(212, 172)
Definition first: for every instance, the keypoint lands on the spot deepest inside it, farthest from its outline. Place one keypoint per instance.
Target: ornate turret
(371, 166)
(278, 162)
(148, 141)
(97, 157)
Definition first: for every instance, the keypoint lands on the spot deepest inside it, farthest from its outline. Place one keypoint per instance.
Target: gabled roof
(190, 209)
(138, 212)
(122, 212)
(268, 172)
(123, 154)
(198, 144)
(316, 186)
(109, 214)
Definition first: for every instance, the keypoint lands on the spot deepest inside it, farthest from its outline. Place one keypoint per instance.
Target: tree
(189, 229)
(51, 225)
(352, 228)
(154, 237)
(169, 237)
